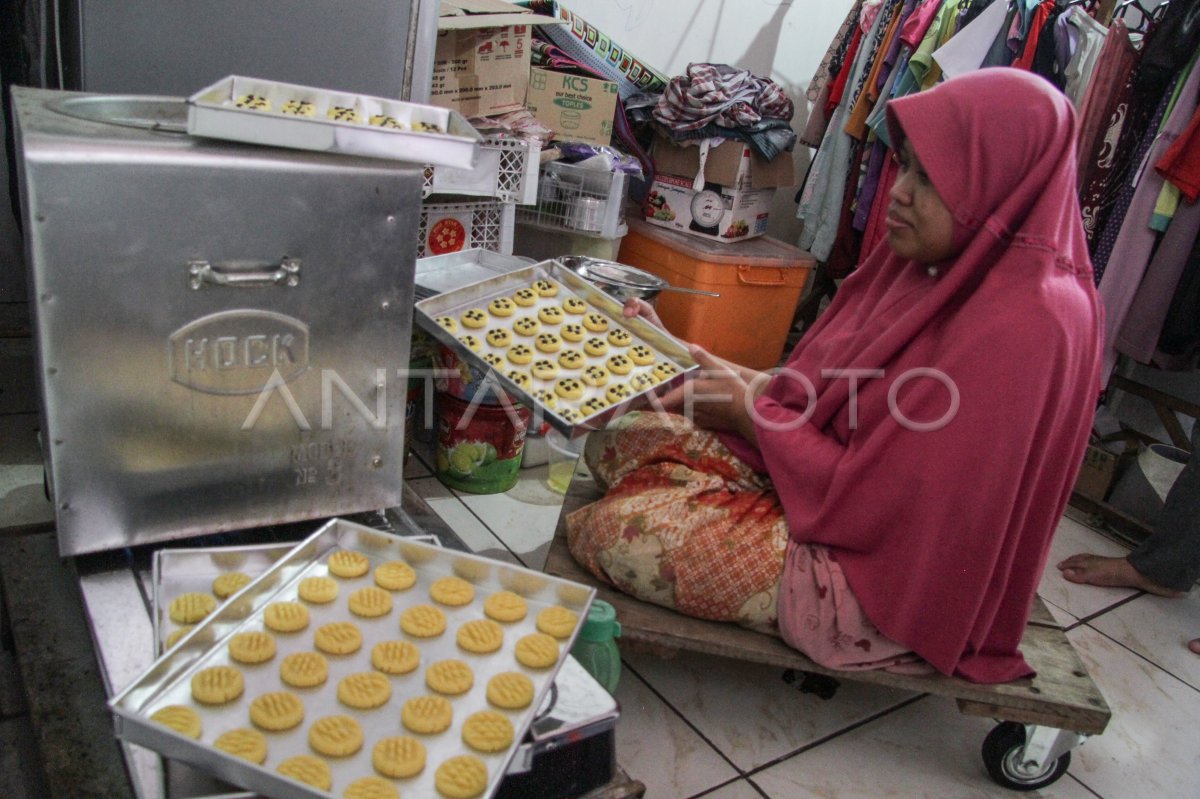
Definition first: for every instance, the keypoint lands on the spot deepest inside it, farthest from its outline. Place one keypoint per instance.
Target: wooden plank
(1062, 689)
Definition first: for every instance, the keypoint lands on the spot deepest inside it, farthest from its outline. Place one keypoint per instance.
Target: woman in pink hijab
(887, 498)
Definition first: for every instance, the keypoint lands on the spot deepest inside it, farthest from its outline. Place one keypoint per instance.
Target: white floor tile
(524, 517)
(742, 789)
(1158, 629)
(1079, 601)
(927, 750)
(1149, 748)
(657, 748)
(748, 712)
(473, 533)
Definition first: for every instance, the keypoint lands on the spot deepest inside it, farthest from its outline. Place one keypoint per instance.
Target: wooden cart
(1041, 719)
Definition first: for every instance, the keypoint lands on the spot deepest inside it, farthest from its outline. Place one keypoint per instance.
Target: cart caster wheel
(1002, 758)
(806, 682)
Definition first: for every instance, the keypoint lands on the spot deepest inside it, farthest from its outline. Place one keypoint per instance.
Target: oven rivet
(376, 461)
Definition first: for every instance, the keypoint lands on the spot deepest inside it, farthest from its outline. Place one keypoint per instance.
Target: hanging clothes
(1091, 36)
(819, 86)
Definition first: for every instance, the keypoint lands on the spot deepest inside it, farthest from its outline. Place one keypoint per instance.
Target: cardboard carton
(1098, 473)
(481, 62)
(576, 108)
(721, 193)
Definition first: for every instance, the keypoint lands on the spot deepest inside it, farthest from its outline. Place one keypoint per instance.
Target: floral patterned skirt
(686, 524)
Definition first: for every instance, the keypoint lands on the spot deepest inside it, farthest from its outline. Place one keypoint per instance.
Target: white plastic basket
(453, 226)
(583, 201)
(507, 169)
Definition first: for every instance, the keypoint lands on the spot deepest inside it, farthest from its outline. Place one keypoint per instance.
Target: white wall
(784, 40)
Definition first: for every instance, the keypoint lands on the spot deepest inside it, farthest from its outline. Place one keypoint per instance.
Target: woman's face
(920, 226)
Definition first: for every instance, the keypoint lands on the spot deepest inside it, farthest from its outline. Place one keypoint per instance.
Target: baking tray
(479, 294)
(167, 681)
(437, 274)
(449, 139)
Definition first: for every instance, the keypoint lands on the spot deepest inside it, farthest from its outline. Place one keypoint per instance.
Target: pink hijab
(943, 532)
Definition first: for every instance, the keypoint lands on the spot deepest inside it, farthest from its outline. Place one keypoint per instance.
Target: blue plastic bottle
(595, 648)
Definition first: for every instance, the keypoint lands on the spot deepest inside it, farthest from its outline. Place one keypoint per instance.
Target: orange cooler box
(760, 281)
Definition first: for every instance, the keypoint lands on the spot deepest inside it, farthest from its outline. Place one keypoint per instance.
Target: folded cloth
(769, 138)
(723, 95)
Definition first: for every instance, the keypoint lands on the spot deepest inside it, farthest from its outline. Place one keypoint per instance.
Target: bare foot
(1194, 645)
(1114, 572)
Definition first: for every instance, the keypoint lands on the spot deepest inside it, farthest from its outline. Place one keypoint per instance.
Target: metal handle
(687, 290)
(202, 274)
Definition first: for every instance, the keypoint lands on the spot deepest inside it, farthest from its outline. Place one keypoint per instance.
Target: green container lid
(601, 623)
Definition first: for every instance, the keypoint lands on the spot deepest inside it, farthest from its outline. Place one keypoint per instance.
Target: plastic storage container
(596, 647)
(760, 282)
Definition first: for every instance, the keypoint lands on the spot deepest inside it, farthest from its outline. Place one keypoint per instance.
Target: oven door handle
(202, 274)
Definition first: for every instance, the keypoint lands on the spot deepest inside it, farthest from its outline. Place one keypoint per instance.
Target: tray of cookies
(360, 663)
(268, 112)
(557, 344)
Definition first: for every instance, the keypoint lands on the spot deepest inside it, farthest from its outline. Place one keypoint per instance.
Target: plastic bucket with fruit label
(479, 445)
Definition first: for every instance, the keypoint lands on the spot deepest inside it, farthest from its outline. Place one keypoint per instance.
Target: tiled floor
(704, 726)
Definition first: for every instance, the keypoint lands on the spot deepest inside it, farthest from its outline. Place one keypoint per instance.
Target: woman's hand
(635, 307)
(720, 397)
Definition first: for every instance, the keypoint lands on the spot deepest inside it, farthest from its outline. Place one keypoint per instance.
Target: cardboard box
(576, 108)
(1098, 473)
(726, 198)
(481, 62)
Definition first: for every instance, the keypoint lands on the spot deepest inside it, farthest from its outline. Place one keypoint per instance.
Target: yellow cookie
(571, 359)
(384, 121)
(510, 690)
(574, 305)
(619, 364)
(643, 381)
(345, 563)
(569, 388)
(618, 392)
(448, 323)
(254, 102)
(371, 788)
(308, 769)
(487, 731)
(427, 715)
(499, 337)
(245, 743)
(174, 637)
(537, 651)
(520, 354)
(641, 355)
(522, 380)
(370, 602)
(252, 647)
(593, 405)
(471, 343)
(285, 617)
(493, 360)
(301, 108)
(557, 621)
(395, 575)
(570, 414)
(451, 677)
(217, 685)
(423, 621)
(502, 306)
(228, 584)
(548, 342)
(461, 777)
(526, 298)
(595, 346)
(545, 397)
(335, 736)
(398, 757)
(620, 338)
(191, 608)
(304, 669)
(596, 376)
(341, 113)
(338, 638)
(318, 590)
(664, 370)
(180, 718)
(544, 369)
(596, 322)
(545, 288)
(277, 711)
(573, 333)
(474, 318)
(453, 591)
(395, 657)
(364, 690)
(550, 315)
(480, 636)
(505, 606)
(526, 326)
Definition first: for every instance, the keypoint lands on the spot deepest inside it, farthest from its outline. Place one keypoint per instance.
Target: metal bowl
(619, 280)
